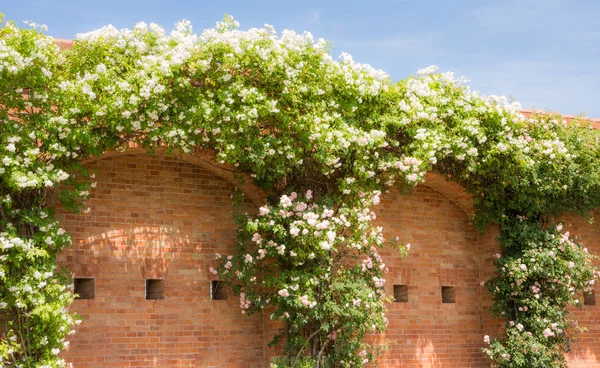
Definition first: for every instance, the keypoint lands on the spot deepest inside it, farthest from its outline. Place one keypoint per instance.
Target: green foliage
(541, 271)
(324, 137)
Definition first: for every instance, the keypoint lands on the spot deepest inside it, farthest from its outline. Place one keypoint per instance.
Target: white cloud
(311, 17)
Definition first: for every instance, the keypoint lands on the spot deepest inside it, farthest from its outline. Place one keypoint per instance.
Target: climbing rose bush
(324, 137)
(540, 265)
(322, 261)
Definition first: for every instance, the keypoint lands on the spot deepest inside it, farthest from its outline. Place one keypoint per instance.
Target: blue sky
(543, 53)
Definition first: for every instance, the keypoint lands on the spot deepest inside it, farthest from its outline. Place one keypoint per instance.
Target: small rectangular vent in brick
(155, 289)
(589, 299)
(84, 288)
(448, 294)
(401, 293)
(217, 290)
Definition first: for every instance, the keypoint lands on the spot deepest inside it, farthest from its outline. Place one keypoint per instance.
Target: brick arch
(436, 219)
(207, 160)
(156, 217)
(453, 191)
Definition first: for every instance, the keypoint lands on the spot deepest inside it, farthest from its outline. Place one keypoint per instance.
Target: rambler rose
(324, 137)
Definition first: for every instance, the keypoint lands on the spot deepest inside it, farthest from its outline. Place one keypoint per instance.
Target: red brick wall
(158, 217)
(424, 332)
(586, 351)
(488, 248)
